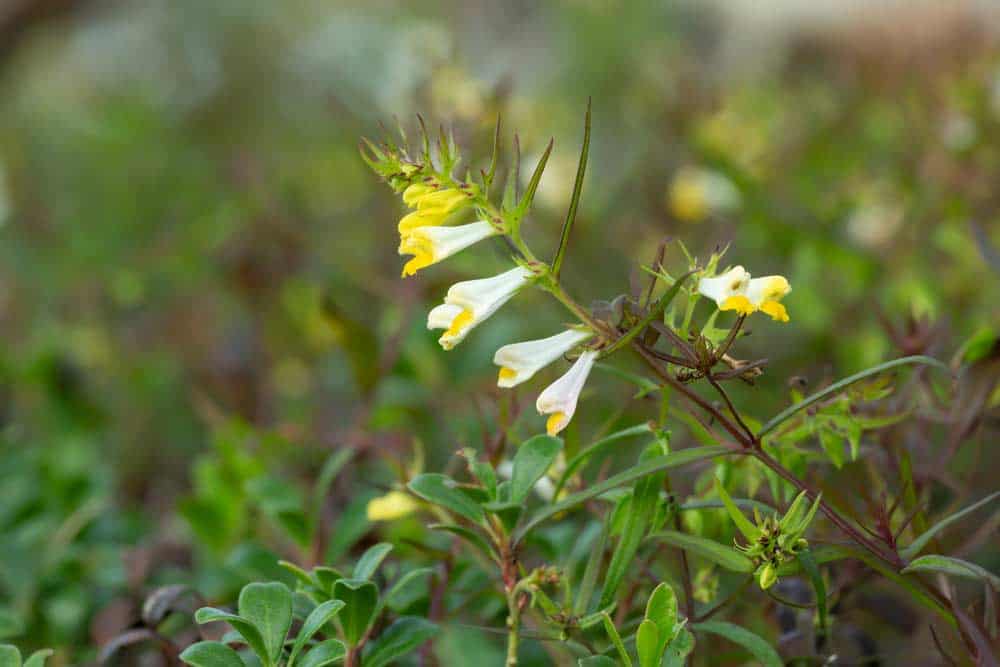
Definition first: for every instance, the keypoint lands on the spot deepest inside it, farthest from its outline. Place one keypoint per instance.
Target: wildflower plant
(502, 507)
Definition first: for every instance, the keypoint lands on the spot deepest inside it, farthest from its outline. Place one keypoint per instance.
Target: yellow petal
(739, 303)
(461, 320)
(507, 373)
(775, 310)
(555, 423)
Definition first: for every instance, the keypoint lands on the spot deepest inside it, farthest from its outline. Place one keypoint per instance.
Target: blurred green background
(199, 280)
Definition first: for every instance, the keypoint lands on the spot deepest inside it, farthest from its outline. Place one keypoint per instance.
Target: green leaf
(596, 661)
(720, 554)
(761, 650)
(326, 577)
(211, 654)
(811, 569)
(745, 526)
(590, 573)
(324, 653)
(470, 536)
(647, 642)
(403, 636)
(532, 460)
(953, 566)
(361, 598)
(921, 541)
(672, 460)
(38, 658)
(269, 607)
(247, 630)
(574, 201)
(833, 445)
(10, 656)
(642, 506)
(370, 560)
(839, 386)
(536, 177)
(11, 624)
(661, 609)
(317, 618)
(587, 452)
(678, 649)
(404, 581)
(616, 639)
(440, 490)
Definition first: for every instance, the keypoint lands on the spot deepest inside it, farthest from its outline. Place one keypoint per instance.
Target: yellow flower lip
(560, 398)
(520, 361)
(430, 245)
(735, 290)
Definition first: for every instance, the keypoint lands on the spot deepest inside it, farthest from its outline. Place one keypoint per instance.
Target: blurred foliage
(199, 300)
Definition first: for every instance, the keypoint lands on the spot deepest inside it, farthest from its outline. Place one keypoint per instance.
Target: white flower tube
(470, 302)
(726, 289)
(429, 245)
(518, 362)
(559, 398)
(765, 295)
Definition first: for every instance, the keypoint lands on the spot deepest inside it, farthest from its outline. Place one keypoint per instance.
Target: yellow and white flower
(470, 302)
(518, 362)
(765, 295)
(393, 505)
(728, 289)
(559, 398)
(434, 206)
(430, 245)
(735, 290)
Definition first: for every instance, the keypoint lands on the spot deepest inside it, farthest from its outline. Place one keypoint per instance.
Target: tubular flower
(728, 290)
(470, 302)
(559, 398)
(518, 362)
(429, 245)
(765, 295)
(393, 505)
(433, 205)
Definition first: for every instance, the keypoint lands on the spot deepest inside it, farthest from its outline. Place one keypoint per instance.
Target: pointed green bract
(745, 526)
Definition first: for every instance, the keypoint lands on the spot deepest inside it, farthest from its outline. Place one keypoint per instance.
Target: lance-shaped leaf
(324, 653)
(921, 541)
(761, 650)
(745, 526)
(370, 560)
(316, 620)
(440, 490)
(590, 450)
(532, 460)
(574, 201)
(403, 636)
(953, 566)
(616, 639)
(672, 460)
(720, 554)
(536, 177)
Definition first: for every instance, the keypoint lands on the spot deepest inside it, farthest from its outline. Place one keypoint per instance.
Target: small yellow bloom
(472, 301)
(434, 206)
(559, 398)
(518, 362)
(735, 290)
(393, 505)
(430, 245)
(725, 287)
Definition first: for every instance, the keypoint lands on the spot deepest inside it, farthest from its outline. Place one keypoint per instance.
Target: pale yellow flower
(393, 505)
(430, 245)
(470, 302)
(559, 398)
(518, 362)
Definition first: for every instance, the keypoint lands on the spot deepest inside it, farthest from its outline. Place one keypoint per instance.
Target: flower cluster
(735, 290)
(772, 541)
(425, 233)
